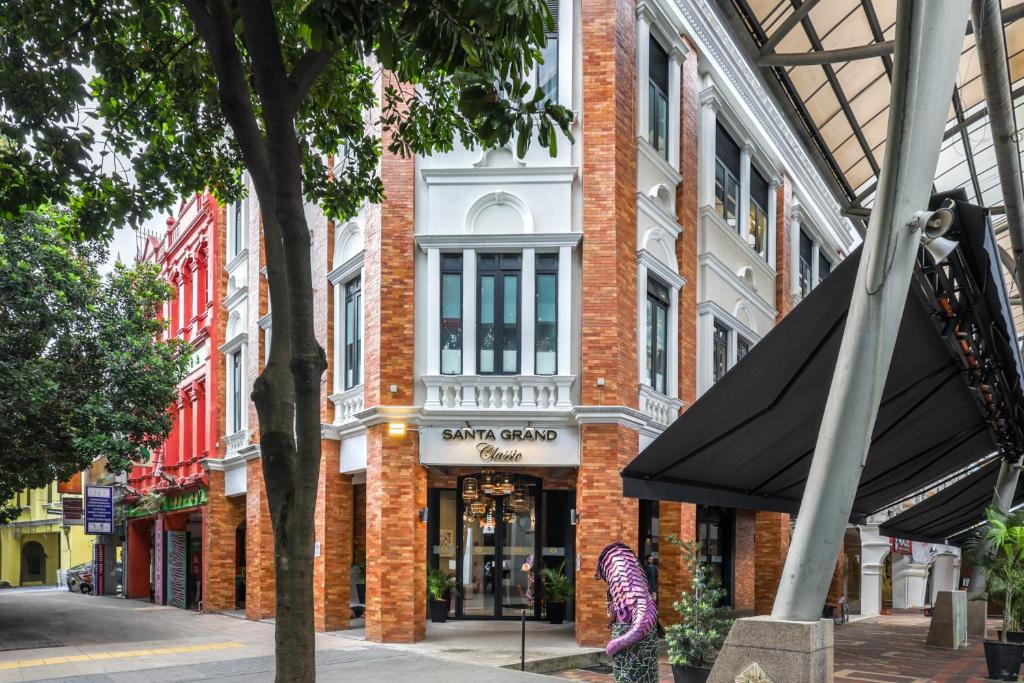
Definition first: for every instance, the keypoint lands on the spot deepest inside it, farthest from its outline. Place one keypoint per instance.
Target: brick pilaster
(783, 249)
(605, 516)
(221, 518)
(333, 529)
(771, 542)
(260, 600)
(744, 565)
(838, 586)
(679, 520)
(396, 539)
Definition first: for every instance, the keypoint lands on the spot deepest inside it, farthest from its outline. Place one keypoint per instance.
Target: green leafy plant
(359, 570)
(557, 587)
(697, 638)
(997, 548)
(440, 584)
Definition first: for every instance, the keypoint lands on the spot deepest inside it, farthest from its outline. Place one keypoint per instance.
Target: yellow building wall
(63, 548)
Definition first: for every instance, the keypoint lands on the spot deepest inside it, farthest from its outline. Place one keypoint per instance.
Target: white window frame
(339, 277)
(714, 111)
(237, 345)
(649, 267)
(819, 246)
(526, 244)
(652, 21)
(708, 313)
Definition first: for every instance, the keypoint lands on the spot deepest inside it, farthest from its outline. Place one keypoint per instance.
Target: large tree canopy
(119, 106)
(83, 371)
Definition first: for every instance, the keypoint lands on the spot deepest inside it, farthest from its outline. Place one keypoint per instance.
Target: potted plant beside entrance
(557, 592)
(694, 642)
(440, 586)
(997, 549)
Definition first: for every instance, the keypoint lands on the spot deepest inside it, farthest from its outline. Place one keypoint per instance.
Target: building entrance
(497, 544)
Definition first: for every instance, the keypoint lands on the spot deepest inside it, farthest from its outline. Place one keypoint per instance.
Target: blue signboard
(99, 509)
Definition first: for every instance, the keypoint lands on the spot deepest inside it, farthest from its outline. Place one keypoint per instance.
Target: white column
(529, 317)
(773, 200)
(468, 313)
(814, 265)
(643, 44)
(794, 251)
(564, 310)
(339, 338)
(672, 366)
(674, 123)
(641, 323)
(706, 148)
(433, 312)
(565, 52)
(743, 210)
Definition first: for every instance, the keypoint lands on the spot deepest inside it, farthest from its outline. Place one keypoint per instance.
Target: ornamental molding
(714, 41)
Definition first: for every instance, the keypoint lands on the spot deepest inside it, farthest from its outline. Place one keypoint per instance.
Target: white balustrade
(347, 404)
(235, 442)
(658, 407)
(499, 392)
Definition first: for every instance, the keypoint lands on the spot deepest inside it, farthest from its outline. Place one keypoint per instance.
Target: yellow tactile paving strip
(120, 654)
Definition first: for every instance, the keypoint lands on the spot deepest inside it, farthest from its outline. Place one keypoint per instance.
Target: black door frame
(535, 485)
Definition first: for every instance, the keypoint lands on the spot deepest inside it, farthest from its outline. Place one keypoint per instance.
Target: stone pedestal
(977, 618)
(949, 620)
(782, 651)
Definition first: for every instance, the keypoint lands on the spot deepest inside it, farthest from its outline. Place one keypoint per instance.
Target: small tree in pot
(557, 592)
(694, 642)
(440, 586)
(998, 549)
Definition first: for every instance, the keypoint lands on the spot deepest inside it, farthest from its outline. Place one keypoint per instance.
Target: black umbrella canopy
(748, 441)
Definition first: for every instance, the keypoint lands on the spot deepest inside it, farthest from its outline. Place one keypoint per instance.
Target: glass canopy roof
(843, 106)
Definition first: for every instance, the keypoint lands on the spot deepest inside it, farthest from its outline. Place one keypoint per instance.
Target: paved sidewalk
(63, 636)
(889, 649)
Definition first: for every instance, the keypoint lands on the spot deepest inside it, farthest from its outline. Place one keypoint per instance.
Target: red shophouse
(165, 514)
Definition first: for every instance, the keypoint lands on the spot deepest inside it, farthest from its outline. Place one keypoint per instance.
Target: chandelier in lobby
(479, 496)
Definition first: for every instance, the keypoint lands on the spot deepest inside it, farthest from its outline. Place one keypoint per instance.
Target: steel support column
(924, 70)
(987, 18)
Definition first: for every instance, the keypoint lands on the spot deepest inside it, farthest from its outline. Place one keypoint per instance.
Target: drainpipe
(923, 78)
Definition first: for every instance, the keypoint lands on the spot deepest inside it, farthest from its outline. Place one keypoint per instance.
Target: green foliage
(359, 571)
(997, 547)
(83, 369)
(697, 638)
(557, 587)
(440, 584)
(115, 108)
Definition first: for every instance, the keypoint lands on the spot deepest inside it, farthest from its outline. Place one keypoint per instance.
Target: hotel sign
(500, 446)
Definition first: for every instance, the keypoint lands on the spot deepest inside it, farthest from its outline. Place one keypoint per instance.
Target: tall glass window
(498, 299)
(353, 332)
(806, 256)
(720, 347)
(727, 176)
(236, 227)
(546, 339)
(547, 72)
(451, 314)
(236, 391)
(742, 347)
(657, 335)
(757, 227)
(657, 97)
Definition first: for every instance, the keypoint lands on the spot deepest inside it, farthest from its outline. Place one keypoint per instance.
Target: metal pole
(987, 18)
(522, 642)
(927, 35)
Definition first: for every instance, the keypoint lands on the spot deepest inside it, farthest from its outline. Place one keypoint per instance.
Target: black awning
(952, 510)
(748, 441)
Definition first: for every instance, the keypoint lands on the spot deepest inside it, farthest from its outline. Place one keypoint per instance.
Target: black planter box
(689, 674)
(1003, 660)
(438, 611)
(556, 612)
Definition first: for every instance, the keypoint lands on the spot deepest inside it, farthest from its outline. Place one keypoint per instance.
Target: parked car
(80, 578)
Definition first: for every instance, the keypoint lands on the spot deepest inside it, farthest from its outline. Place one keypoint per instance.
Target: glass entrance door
(496, 558)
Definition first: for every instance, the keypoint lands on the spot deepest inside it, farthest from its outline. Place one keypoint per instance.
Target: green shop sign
(180, 501)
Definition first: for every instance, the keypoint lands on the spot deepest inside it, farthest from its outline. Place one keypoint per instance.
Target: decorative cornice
(709, 215)
(237, 260)
(660, 270)
(346, 270)
(716, 311)
(505, 174)
(234, 343)
(511, 241)
(663, 27)
(647, 151)
(653, 210)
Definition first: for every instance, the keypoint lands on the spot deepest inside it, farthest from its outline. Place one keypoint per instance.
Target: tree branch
(305, 72)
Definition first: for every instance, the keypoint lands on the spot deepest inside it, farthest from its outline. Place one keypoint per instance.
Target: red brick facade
(333, 535)
(771, 542)
(259, 547)
(221, 519)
